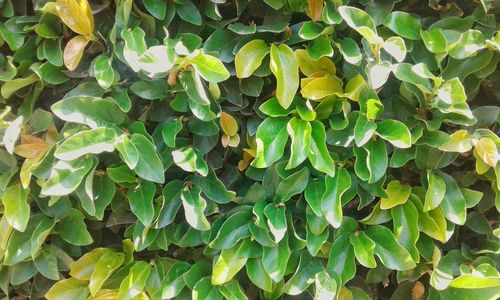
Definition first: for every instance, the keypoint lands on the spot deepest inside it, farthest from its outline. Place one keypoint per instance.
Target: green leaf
(469, 44)
(46, 263)
(72, 229)
(387, 248)
(394, 132)
(258, 275)
(128, 151)
(318, 154)
(213, 188)
(132, 285)
(363, 249)
(404, 24)
(249, 57)
(141, 201)
(405, 220)
(170, 130)
(93, 141)
(363, 130)
(12, 86)
(156, 8)
(103, 71)
(292, 185)
(134, 47)
(40, 234)
(194, 87)
(273, 108)
(194, 207)
(234, 228)
(376, 159)
(304, 274)
(436, 189)
(360, 21)
(320, 47)
(16, 207)
(276, 220)
(396, 47)
(232, 291)
(397, 193)
(326, 287)
(285, 68)
(275, 259)
(335, 187)
(227, 265)
(190, 160)
(157, 61)
(150, 89)
(149, 166)
(188, 12)
(66, 176)
(434, 40)
(271, 140)
(91, 111)
(300, 134)
(341, 259)
(453, 204)
(314, 194)
(173, 283)
(205, 290)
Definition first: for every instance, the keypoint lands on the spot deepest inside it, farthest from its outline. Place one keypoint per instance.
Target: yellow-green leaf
(308, 66)
(319, 88)
(397, 192)
(77, 15)
(228, 124)
(487, 151)
(284, 67)
(68, 289)
(249, 57)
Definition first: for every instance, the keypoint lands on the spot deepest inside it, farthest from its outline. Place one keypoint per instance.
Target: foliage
(255, 149)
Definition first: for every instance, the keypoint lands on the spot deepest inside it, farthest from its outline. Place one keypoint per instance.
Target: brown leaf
(316, 9)
(74, 51)
(418, 291)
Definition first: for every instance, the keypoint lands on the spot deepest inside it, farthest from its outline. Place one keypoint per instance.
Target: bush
(257, 149)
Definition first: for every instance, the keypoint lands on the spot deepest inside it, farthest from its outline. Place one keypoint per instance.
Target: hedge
(262, 149)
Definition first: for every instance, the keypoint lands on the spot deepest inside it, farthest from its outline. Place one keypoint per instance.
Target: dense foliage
(258, 149)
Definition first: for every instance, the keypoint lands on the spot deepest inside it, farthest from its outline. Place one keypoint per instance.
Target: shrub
(257, 149)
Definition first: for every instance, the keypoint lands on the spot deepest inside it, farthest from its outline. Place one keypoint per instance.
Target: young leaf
(249, 58)
(77, 15)
(210, 67)
(284, 67)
